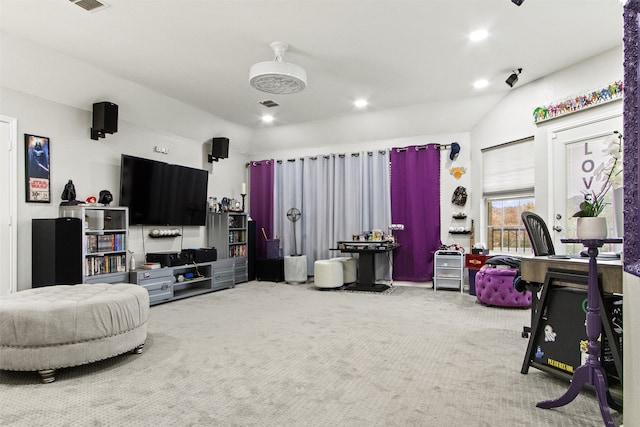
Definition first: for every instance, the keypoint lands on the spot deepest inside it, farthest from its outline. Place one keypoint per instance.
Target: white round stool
(349, 269)
(327, 274)
(295, 269)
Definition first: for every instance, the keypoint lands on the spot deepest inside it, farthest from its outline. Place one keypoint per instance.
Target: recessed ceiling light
(478, 35)
(267, 118)
(479, 84)
(361, 103)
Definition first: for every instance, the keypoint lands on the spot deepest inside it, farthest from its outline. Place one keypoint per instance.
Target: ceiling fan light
(277, 77)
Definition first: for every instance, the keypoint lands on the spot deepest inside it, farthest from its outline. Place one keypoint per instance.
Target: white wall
(57, 103)
(371, 127)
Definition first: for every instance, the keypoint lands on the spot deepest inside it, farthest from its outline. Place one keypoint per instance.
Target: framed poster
(37, 171)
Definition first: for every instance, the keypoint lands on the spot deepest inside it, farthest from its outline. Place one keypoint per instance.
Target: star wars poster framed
(37, 169)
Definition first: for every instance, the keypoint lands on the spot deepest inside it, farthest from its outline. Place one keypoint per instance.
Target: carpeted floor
(272, 354)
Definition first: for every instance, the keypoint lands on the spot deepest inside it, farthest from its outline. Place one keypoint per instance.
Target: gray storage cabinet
(158, 282)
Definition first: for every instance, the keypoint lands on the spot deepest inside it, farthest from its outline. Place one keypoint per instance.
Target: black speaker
(105, 119)
(219, 149)
(56, 254)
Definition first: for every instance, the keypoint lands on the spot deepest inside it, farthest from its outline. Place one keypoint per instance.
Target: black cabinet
(56, 256)
(270, 269)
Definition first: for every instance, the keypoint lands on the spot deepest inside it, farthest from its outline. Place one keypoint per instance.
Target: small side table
(591, 372)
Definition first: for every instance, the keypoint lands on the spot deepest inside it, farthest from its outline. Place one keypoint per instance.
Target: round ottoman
(327, 274)
(295, 269)
(43, 329)
(349, 269)
(494, 286)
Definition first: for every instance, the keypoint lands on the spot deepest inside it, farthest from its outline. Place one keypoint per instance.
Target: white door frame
(12, 199)
(558, 168)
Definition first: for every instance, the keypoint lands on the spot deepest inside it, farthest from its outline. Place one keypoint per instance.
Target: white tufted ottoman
(327, 274)
(349, 269)
(43, 329)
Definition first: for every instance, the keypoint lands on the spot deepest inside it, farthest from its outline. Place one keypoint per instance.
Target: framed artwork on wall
(37, 168)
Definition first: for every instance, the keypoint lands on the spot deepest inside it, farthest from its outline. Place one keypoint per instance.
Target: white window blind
(509, 168)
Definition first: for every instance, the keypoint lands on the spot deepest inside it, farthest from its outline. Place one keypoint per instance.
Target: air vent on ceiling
(269, 103)
(90, 5)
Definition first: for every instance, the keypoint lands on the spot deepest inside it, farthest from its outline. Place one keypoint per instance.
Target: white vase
(592, 227)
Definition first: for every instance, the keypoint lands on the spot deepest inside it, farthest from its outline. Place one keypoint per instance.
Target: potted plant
(590, 224)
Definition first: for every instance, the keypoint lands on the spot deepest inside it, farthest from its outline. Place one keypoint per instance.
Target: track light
(513, 78)
(517, 2)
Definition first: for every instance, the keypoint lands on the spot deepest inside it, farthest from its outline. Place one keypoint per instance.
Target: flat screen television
(159, 193)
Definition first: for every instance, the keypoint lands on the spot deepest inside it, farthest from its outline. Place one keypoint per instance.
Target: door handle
(557, 228)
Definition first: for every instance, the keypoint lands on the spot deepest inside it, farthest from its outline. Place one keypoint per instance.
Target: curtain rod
(315, 157)
(504, 144)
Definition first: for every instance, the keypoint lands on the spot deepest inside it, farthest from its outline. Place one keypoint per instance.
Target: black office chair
(538, 232)
(542, 245)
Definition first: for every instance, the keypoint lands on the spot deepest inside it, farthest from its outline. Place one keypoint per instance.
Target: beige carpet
(272, 354)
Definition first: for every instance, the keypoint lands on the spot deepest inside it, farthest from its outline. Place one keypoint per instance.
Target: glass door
(577, 153)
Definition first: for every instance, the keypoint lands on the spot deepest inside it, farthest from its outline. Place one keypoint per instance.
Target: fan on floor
(293, 215)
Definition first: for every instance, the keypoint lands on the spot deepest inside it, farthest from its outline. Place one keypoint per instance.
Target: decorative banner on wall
(37, 171)
(579, 102)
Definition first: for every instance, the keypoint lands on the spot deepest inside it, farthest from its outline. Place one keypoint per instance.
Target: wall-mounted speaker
(105, 119)
(219, 149)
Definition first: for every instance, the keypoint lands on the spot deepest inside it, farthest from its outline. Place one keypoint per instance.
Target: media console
(177, 282)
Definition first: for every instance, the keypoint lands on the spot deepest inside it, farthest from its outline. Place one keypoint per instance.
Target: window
(508, 174)
(505, 230)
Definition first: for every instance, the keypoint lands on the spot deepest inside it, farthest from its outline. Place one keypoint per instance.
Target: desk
(587, 275)
(534, 269)
(367, 263)
(591, 372)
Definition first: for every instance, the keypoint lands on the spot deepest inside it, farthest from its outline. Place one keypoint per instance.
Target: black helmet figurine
(105, 197)
(69, 195)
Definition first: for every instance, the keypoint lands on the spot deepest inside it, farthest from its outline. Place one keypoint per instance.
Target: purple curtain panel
(415, 202)
(261, 202)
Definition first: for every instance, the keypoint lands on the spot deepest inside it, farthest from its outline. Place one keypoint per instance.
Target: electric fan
(293, 215)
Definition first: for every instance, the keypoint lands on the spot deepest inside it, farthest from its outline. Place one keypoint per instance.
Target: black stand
(366, 274)
(591, 372)
(243, 196)
(366, 264)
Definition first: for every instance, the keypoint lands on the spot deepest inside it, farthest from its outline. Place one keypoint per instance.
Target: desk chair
(539, 236)
(542, 245)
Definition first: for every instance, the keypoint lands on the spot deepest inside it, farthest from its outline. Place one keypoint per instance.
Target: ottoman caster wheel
(47, 375)
(138, 349)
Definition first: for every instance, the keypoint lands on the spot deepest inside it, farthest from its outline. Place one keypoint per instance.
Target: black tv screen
(159, 193)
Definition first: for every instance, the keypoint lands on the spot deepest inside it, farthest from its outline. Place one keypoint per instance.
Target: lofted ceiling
(394, 53)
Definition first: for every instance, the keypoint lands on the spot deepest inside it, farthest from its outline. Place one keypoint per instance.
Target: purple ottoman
(494, 286)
